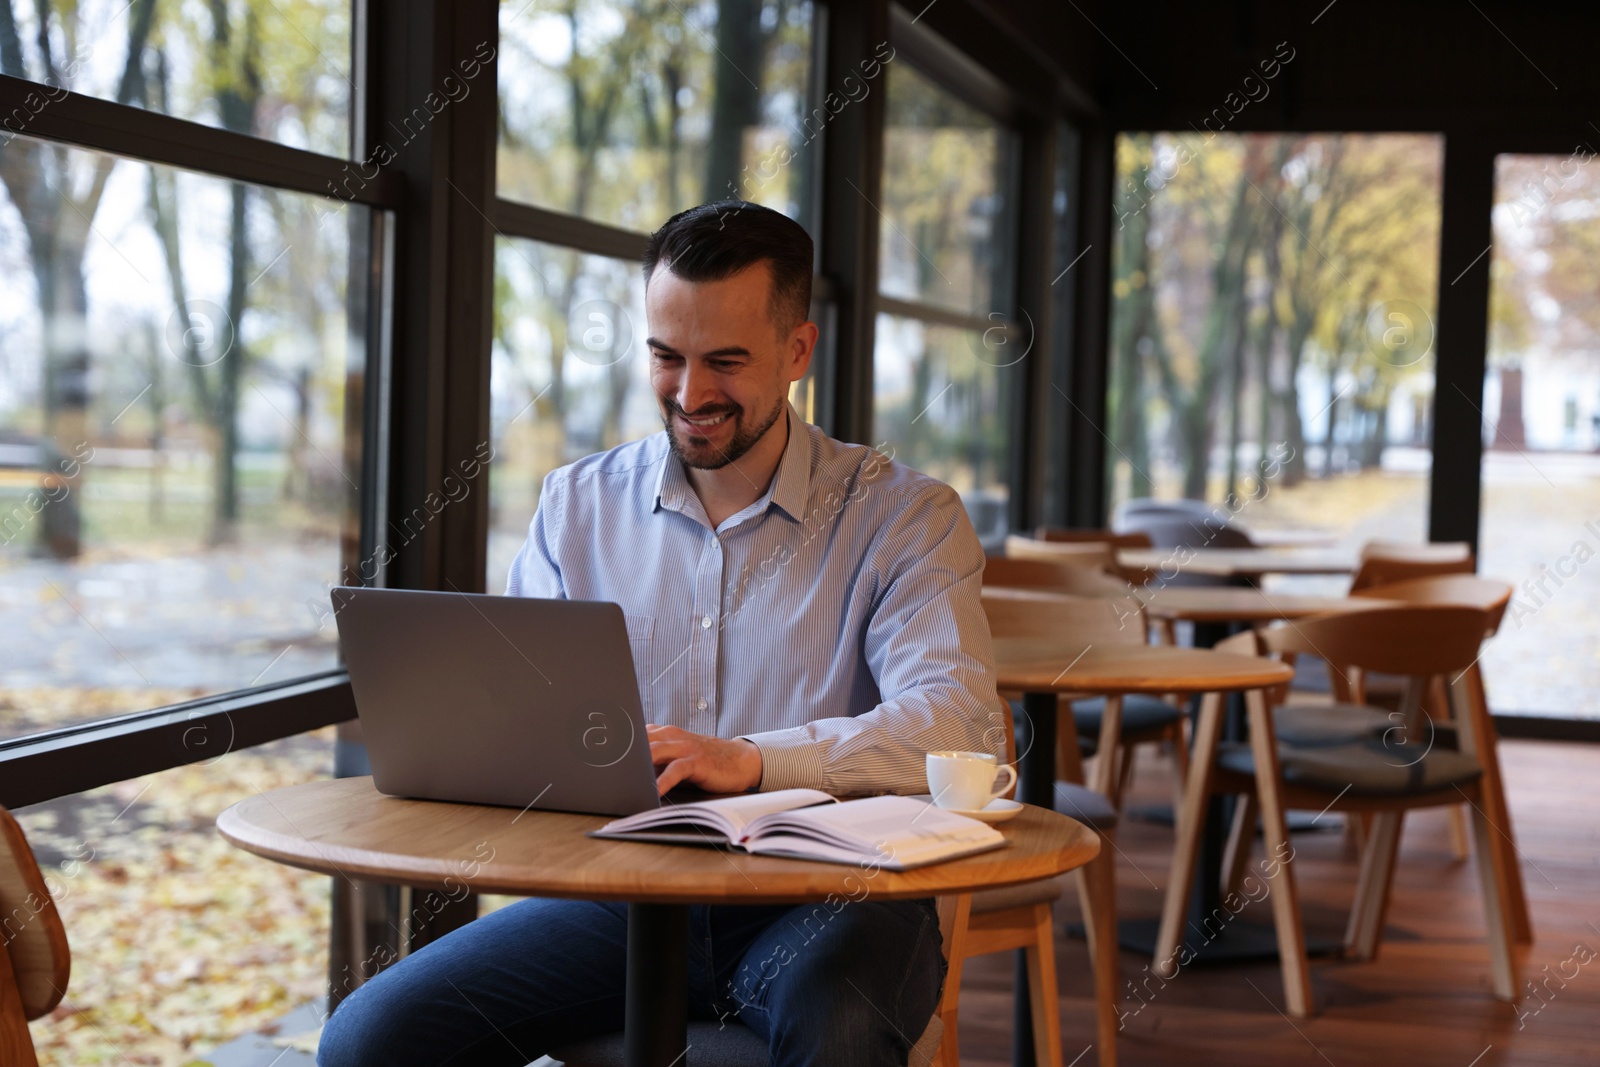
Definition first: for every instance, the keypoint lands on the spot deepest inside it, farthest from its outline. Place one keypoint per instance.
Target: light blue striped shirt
(835, 622)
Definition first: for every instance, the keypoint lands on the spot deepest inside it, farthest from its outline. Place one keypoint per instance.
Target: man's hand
(710, 763)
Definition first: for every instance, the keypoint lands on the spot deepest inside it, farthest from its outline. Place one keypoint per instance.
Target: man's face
(721, 368)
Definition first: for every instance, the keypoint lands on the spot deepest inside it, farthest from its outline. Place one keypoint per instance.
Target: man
(802, 612)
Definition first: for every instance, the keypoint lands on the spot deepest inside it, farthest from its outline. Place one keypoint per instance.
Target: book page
(899, 826)
(728, 815)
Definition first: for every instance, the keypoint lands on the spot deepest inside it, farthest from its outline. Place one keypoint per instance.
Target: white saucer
(998, 810)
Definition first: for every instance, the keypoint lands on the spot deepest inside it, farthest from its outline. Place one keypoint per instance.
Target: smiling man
(802, 612)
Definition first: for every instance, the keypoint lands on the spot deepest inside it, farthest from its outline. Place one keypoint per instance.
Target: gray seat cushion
(1043, 891)
(1368, 768)
(715, 1045)
(1139, 713)
(1318, 725)
(1084, 804)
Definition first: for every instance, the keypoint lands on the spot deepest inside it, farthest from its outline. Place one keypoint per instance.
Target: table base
(656, 1011)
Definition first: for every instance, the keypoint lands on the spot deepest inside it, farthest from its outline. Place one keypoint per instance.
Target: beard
(699, 452)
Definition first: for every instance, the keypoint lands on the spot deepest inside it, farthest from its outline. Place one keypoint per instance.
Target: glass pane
(1541, 407)
(180, 942)
(279, 70)
(939, 402)
(570, 376)
(178, 459)
(1272, 339)
(625, 112)
(946, 236)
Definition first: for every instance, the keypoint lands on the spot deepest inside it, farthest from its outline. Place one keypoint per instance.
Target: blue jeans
(844, 982)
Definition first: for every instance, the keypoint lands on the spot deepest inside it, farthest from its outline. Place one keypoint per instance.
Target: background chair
(36, 961)
(1416, 642)
(1491, 597)
(1062, 536)
(1184, 529)
(1096, 555)
(1068, 625)
(1386, 562)
(1021, 916)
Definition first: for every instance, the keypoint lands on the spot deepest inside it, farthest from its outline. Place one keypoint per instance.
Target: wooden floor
(1424, 1001)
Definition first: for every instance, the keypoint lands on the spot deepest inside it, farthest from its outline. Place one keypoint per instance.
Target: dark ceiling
(1484, 65)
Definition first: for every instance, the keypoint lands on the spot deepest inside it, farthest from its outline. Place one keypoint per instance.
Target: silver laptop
(497, 700)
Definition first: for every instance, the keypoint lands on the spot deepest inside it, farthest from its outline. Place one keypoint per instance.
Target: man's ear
(802, 344)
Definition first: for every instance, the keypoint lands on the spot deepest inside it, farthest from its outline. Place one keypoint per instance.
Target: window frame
(435, 214)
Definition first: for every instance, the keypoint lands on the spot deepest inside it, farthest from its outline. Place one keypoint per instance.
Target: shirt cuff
(790, 759)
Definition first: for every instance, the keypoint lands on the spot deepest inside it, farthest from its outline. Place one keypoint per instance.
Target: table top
(1234, 604)
(1293, 538)
(1020, 665)
(1236, 562)
(344, 826)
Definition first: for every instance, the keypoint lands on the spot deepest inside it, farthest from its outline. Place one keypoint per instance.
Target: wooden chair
(1145, 719)
(1416, 642)
(1070, 624)
(1388, 562)
(1020, 917)
(1385, 562)
(37, 962)
(1097, 555)
(1061, 535)
(1492, 597)
(1054, 576)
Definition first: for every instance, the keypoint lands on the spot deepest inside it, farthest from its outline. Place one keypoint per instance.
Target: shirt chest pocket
(641, 629)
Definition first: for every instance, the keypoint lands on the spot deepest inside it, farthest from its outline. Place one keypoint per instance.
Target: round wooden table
(1118, 670)
(345, 827)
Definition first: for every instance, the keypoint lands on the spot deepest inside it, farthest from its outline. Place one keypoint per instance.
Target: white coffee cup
(964, 781)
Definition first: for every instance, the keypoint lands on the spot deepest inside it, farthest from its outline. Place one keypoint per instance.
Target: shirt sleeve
(928, 648)
(534, 572)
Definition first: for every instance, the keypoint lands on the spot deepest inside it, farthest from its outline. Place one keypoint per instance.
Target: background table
(1234, 562)
(1235, 604)
(1115, 670)
(346, 827)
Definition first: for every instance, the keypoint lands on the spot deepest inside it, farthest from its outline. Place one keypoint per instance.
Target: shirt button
(705, 623)
(702, 705)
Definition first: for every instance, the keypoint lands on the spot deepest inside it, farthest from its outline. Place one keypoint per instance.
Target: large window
(1273, 322)
(625, 111)
(178, 461)
(183, 396)
(622, 113)
(1541, 409)
(950, 346)
(279, 70)
(180, 942)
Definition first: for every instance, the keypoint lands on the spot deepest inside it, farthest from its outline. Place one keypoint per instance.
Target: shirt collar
(789, 485)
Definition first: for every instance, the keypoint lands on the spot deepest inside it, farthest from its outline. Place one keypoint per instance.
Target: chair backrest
(1468, 590)
(1144, 505)
(1386, 562)
(1171, 530)
(1063, 536)
(1055, 576)
(1058, 624)
(35, 940)
(1415, 641)
(1096, 554)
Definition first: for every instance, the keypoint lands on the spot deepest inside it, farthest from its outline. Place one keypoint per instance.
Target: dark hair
(717, 240)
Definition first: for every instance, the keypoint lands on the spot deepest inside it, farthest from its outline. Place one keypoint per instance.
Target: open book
(892, 832)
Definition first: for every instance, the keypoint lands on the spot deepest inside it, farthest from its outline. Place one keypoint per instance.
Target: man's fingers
(676, 771)
(668, 750)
